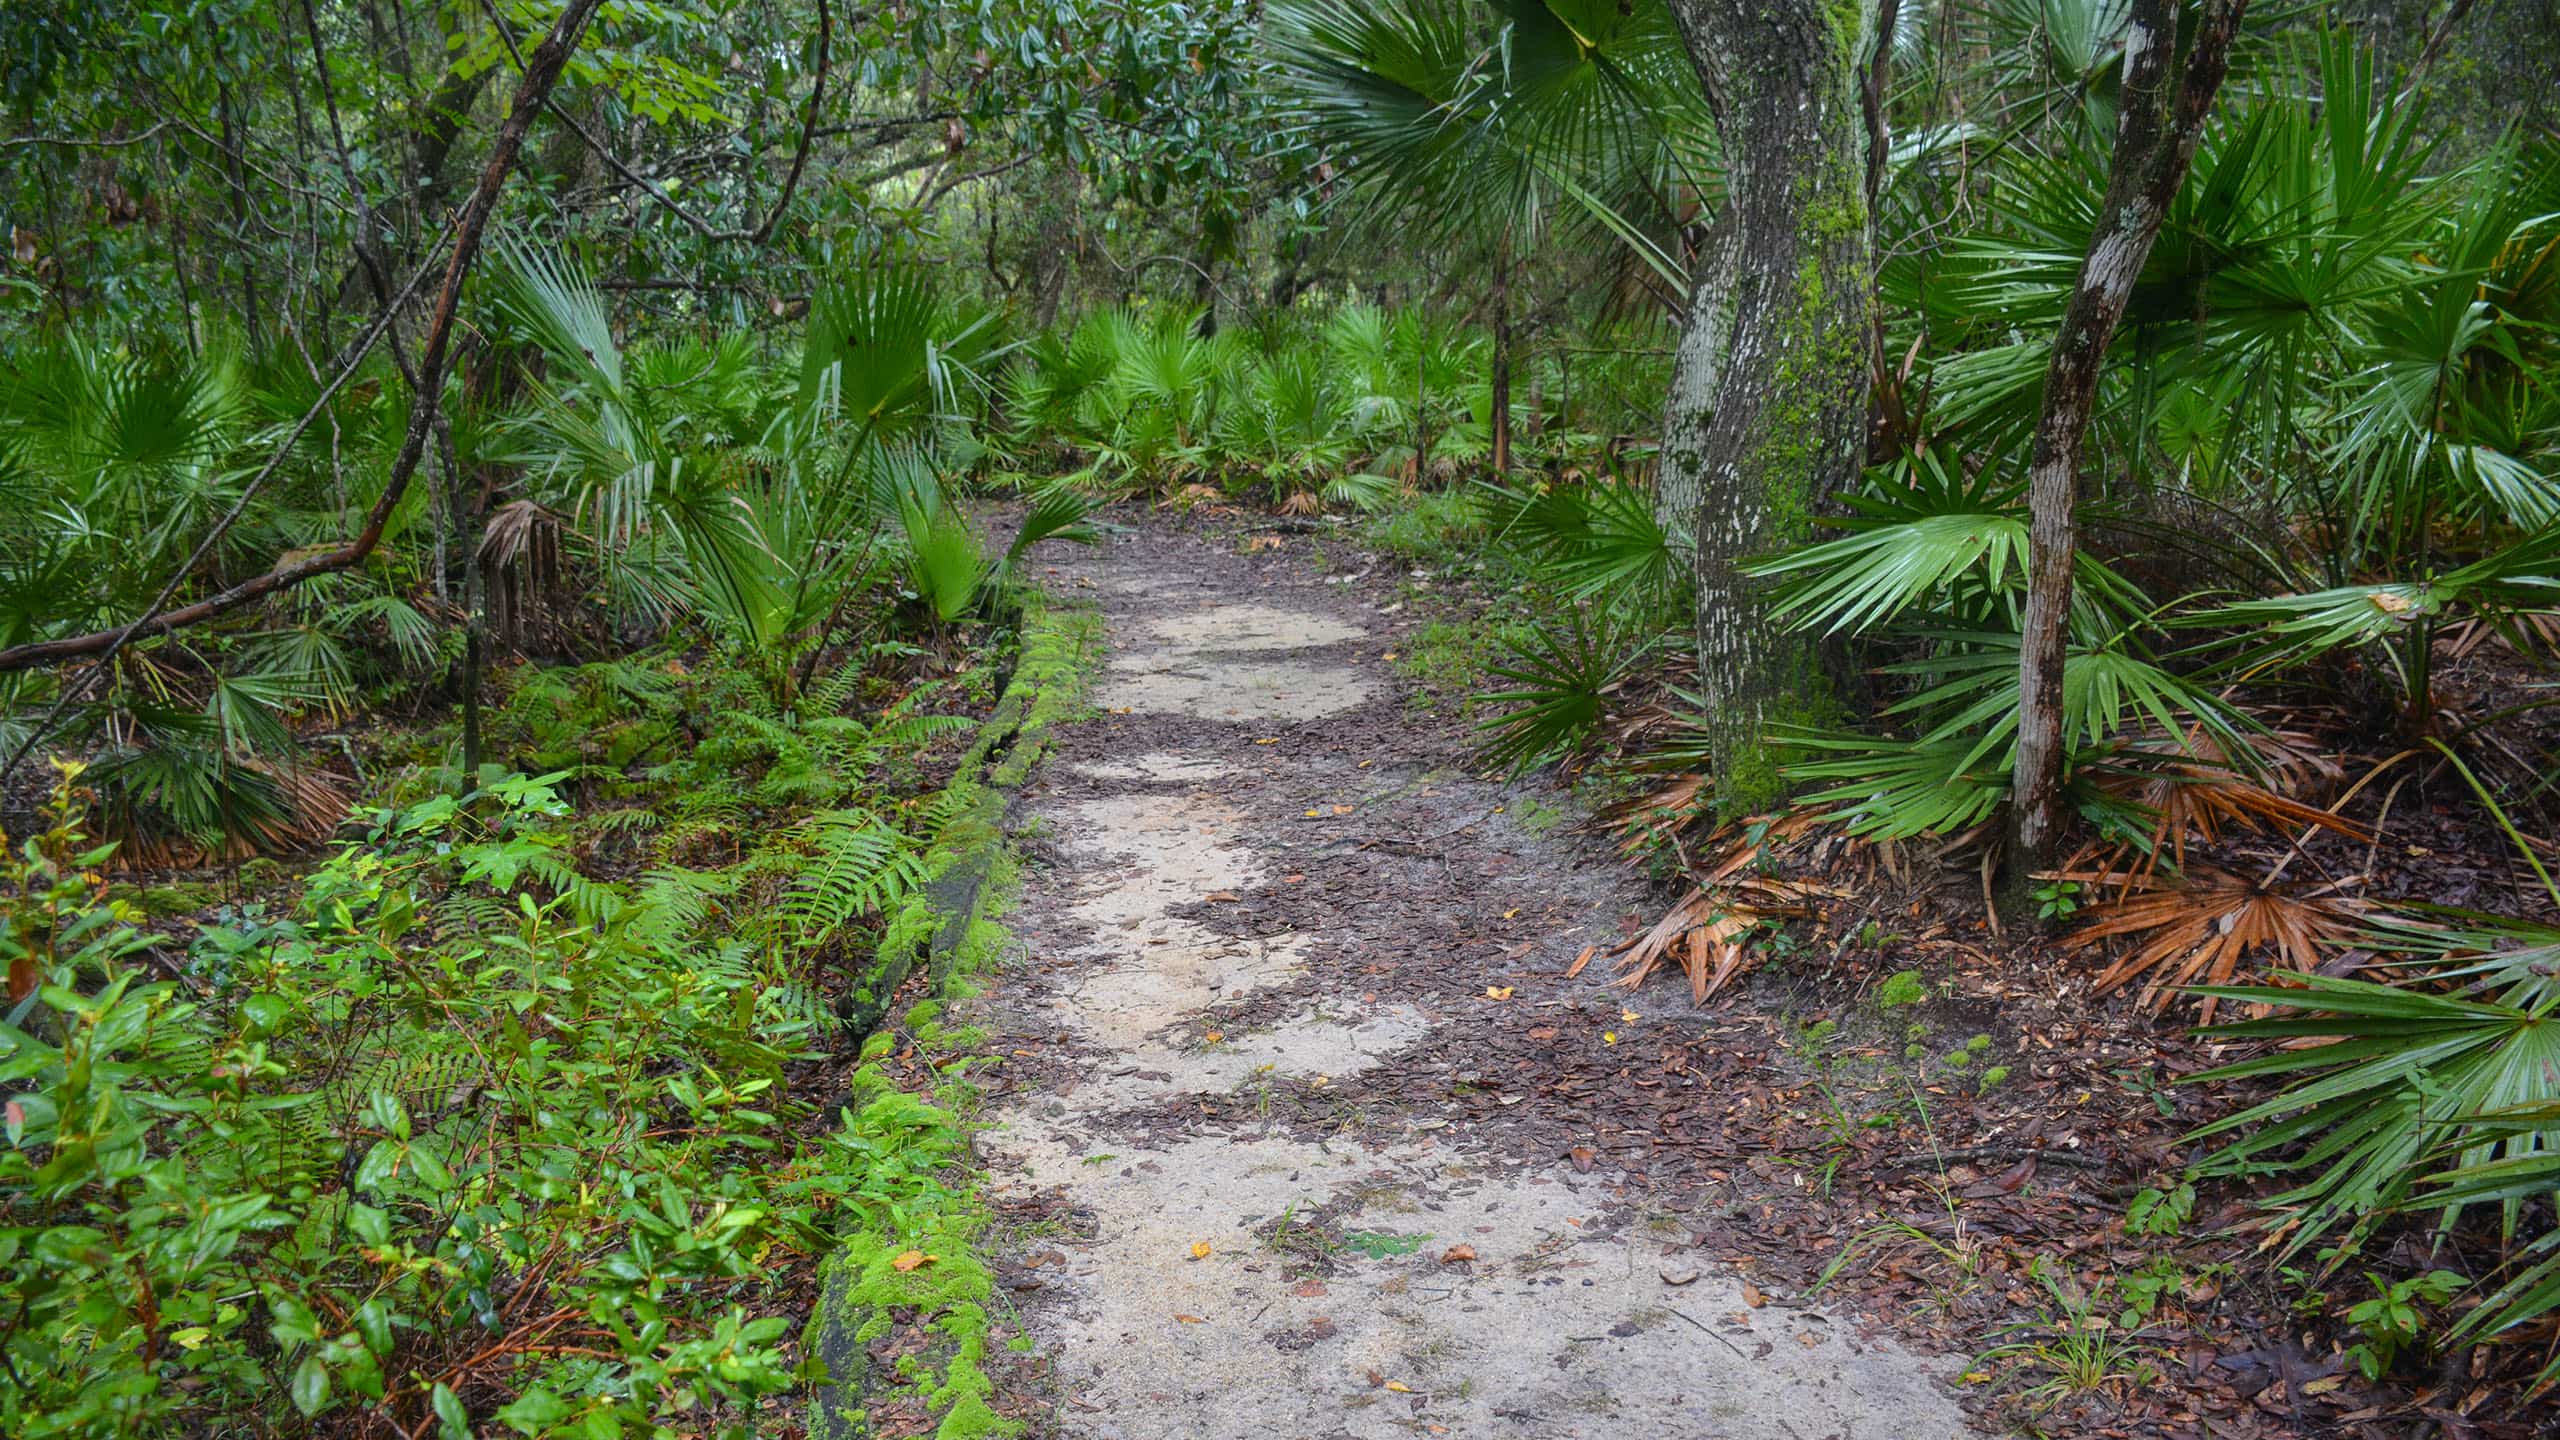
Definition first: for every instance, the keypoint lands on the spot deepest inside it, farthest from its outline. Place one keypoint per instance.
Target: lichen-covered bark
(1697, 366)
(1778, 336)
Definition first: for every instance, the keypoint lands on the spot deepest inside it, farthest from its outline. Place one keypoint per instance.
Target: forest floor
(1280, 1147)
(1305, 1126)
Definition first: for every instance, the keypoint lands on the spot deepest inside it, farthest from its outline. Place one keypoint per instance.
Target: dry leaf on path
(1457, 1254)
(1202, 1249)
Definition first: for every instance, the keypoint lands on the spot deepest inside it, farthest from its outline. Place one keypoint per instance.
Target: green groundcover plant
(528, 1174)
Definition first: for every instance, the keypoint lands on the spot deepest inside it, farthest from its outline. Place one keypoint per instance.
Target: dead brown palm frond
(2526, 632)
(2196, 791)
(520, 562)
(1662, 743)
(1302, 502)
(312, 804)
(1648, 820)
(1705, 934)
(2198, 928)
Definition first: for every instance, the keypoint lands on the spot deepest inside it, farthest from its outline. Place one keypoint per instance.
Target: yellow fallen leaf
(1608, 1037)
(1202, 1249)
(2389, 602)
(1628, 1017)
(1312, 814)
(1399, 1387)
(1272, 740)
(911, 1260)
(1190, 1319)
(1390, 655)
(1497, 992)
(1510, 914)
(1214, 1036)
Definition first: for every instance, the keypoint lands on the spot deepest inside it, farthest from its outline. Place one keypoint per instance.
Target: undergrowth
(507, 1120)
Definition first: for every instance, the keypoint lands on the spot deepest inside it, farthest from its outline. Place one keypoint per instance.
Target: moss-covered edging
(950, 924)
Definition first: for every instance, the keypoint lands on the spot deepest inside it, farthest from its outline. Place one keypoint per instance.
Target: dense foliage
(562, 828)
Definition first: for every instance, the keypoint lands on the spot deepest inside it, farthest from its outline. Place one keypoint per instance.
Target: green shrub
(466, 1118)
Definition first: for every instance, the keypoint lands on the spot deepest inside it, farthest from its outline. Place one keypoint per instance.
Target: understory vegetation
(510, 513)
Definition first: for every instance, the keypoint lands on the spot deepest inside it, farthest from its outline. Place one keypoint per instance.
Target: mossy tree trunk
(1768, 412)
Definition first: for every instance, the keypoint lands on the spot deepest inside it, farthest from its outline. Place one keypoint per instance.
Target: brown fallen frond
(1704, 934)
(2198, 929)
(2198, 793)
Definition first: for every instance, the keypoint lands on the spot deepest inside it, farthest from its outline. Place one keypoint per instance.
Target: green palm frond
(1469, 118)
(2395, 1085)
(1599, 539)
(1889, 789)
(1561, 676)
(887, 352)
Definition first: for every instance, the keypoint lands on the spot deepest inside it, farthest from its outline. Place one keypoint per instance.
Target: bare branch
(541, 73)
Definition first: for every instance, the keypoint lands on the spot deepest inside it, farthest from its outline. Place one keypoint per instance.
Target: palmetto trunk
(1768, 409)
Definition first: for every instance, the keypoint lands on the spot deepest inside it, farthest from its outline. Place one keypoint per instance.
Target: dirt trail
(1251, 1205)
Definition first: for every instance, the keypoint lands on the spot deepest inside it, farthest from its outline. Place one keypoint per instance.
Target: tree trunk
(2171, 71)
(1697, 365)
(1500, 406)
(1780, 346)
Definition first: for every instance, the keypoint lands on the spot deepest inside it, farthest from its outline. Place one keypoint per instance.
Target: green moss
(1903, 988)
(1750, 769)
(864, 1287)
(170, 902)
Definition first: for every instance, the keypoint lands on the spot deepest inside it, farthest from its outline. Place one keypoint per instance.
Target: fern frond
(855, 865)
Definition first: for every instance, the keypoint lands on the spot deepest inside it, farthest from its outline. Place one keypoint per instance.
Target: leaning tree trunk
(1782, 349)
(1499, 406)
(2171, 71)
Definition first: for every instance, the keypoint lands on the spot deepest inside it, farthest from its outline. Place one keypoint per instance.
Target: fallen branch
(2068, 1159)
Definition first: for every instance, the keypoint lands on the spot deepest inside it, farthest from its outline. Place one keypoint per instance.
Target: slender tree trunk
(232, 141)
(1501, 403)
(1778, 337)
(2175, 53)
